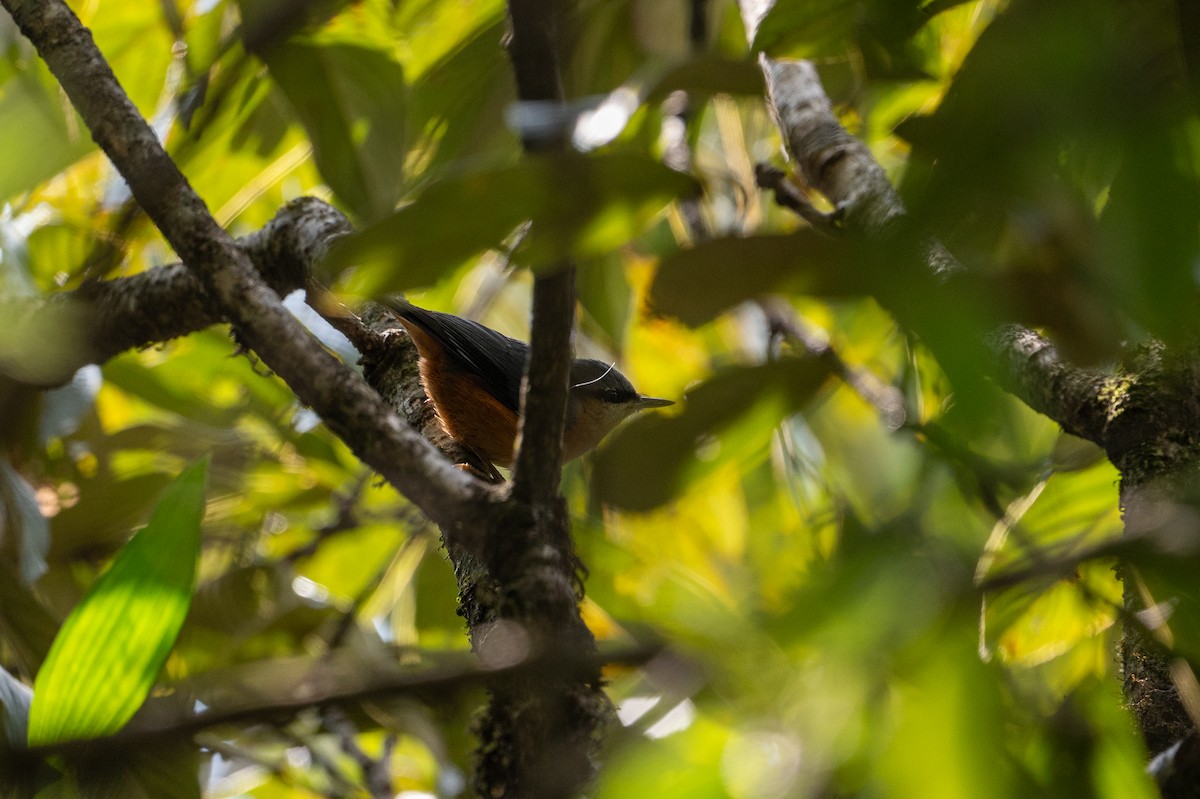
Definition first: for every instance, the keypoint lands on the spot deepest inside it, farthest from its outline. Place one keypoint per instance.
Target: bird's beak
(644, 403)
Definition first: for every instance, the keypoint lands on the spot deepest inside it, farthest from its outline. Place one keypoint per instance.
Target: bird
(472, 374)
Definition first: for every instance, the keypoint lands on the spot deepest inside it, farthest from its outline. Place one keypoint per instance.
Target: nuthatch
(473, 375)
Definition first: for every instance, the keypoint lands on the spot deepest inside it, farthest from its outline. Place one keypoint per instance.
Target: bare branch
(829, 158)
(788, 195)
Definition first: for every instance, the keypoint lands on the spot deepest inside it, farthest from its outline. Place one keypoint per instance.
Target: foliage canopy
(877, 573)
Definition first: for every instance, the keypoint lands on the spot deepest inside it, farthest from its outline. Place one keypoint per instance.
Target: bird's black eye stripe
(613, 396)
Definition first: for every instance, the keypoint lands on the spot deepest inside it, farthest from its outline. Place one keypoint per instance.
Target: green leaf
(696, 285)
(105, 658)
(27, 627)
(351, 100)
(603, 289)
(33, 112)
(108, 508)
(731, 414)
(167, 767)
(580, 205)
(458, 99)
(829, 27)
(709, 74)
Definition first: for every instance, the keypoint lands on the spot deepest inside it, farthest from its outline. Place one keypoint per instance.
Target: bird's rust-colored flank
(465, 409)
(472, 375)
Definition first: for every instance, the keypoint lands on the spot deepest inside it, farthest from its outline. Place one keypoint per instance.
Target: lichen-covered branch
(1145, 416)
(1081, 400)
(839, 166)
(160, 304)
(343, 400)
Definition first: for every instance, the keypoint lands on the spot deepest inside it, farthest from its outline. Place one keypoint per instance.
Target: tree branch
(270, 689)
(828, 157)
(166, 302)
(1143, 417)
(843, 169)
(1028, 364)
(539, 733)
(533, 50)
(347, 405)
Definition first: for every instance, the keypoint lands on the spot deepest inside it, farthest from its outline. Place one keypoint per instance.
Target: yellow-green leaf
(105, 658)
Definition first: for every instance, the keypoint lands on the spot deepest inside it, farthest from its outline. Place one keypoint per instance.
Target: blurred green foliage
(816, 559)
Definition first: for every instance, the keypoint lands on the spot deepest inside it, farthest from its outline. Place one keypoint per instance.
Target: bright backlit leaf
(351, 101)
(32, 112)
(110, 649)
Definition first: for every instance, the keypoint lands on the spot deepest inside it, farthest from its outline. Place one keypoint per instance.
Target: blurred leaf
(1044, 623)
(110, 649)
(603, 291)
(351, 100)
(697, 284)
(947, 726)
(458, 102)
(161, 768)
(706, 75)
(580, 205)
(267, 23)
(160, 391)
(950, 315)
(823, 25)
(137, 45)
(242, 602)
(685, 764)
(878, 29)
(1165, 575)
(22, 526)
(107, 509)
(433, 32)
(40, 343)
(1070, 513)
(649, 460)
(1150, 244)
(1072, 453)
(26, 626)
(979, 146)
(33, 112)
(1118, 763)
(606, 51)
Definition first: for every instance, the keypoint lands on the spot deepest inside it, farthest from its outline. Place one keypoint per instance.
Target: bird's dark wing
(497, 360)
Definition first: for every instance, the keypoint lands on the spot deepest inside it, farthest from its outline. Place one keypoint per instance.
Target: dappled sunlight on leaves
(859, 566)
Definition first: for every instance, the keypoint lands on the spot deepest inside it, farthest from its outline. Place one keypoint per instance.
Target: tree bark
(344, 401)
(539, 733)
